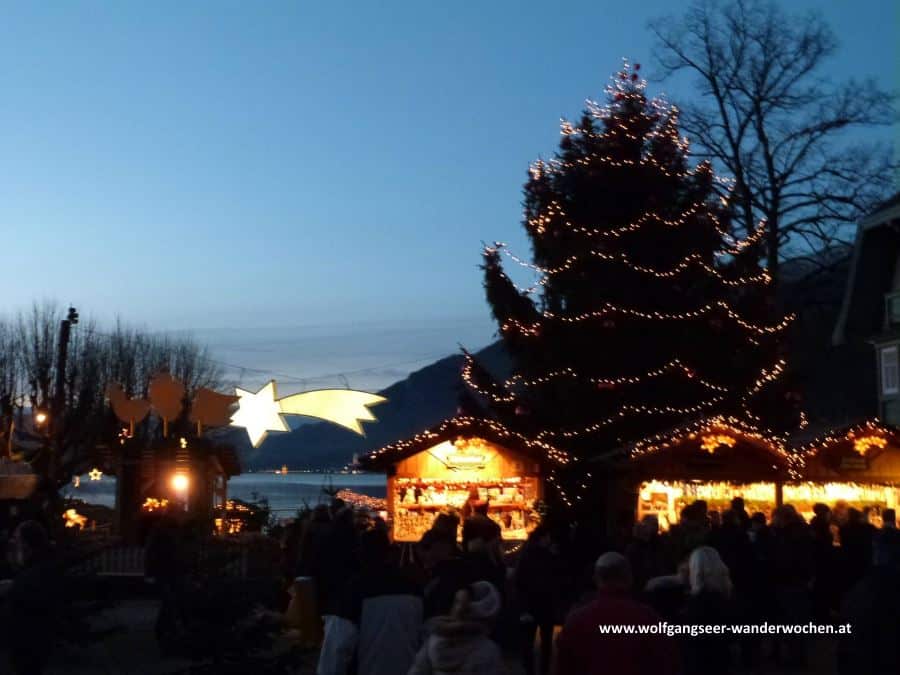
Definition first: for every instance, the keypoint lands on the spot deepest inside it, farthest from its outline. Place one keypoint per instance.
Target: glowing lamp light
(74, 519)
(40, 418)
(262, 411)
(180, 482)
(862, 445)
(712, 442)
(95, 474)
(152, 504)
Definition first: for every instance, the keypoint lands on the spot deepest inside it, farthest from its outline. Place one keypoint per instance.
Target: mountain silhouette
(423, 399)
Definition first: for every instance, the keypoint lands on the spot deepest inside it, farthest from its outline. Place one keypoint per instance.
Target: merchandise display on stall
(464, 466)
(509, 502)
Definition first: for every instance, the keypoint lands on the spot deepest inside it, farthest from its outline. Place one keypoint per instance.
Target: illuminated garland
(762, 277)
(629, 410)
(551, 479)
(769, 375)
(794, 461)
(538, 223)
(871, 427)
(459, 425)
(558, 165)
(668, 130)
(518, 380)
(609, 308)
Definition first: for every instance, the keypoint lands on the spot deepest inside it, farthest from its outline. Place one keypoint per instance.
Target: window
(890, 411)
(892, 309)
(889, 383)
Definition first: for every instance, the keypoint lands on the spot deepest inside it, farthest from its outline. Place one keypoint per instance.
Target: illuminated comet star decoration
(262, 411)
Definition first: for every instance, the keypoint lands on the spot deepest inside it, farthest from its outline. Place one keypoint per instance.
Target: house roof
(17, 480)
(868, 452)
(870, 427)
(719, 423)
(463, 426)
(875, 252)
(736, 451)
(17, 487)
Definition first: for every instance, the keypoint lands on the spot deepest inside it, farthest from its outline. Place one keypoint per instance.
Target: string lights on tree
(646, 313)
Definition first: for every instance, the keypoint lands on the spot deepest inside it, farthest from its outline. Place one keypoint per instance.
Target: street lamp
(180, 482)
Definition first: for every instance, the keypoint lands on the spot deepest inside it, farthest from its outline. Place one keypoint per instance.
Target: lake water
(286, 492)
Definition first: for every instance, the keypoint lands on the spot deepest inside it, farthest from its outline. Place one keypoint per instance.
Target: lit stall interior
(857, 467)
(714, 460)
(666, 499)
(457, 477)
(875, 498)
(462, 465)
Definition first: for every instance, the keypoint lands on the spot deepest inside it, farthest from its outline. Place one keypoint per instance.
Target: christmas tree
(645, 313)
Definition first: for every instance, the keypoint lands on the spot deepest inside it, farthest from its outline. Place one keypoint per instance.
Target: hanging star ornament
(262, 411)
(95, 474)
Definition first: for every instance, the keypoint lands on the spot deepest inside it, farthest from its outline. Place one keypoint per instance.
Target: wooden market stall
(182, 474)
(714, 460)
(858, 466)
(462, 463)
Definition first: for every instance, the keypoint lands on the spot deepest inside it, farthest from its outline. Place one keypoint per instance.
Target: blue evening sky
(304, 186)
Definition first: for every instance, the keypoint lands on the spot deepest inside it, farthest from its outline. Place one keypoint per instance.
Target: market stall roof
(867, 452)
(214, 448)
(17, 480)
(463, 426)
(718, 448)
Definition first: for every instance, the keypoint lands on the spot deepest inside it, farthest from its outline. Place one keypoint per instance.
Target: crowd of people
(462, 602)
(457, 602)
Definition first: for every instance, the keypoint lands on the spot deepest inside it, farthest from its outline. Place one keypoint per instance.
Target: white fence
(128, 561)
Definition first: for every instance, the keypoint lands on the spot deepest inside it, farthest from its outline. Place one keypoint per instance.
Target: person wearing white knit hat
(459, 643)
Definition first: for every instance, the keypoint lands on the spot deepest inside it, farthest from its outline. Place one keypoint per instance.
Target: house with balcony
(870, 312)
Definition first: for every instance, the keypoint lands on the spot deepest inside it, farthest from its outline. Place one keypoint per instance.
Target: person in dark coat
(35, 600)
(740, 511)
(378, 619)
(856, 547)
(645, 552)
(482, 551)
(538, 586)
(733, 545)
(792, 572)
(447, 572)
(825, 581)
(691, 531)
(338, 561)
(166, 566)
(870, 609)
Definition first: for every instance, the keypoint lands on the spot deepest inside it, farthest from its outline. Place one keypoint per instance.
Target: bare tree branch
(769, 116)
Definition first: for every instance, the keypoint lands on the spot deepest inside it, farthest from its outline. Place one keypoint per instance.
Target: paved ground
(133, 651)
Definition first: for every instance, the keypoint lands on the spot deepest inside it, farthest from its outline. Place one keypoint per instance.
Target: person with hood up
(377, 627)
(459, 643)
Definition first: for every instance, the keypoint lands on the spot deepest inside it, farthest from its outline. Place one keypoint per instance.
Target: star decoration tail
(341, 406)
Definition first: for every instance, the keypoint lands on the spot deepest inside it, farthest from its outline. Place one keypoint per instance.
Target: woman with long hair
(709, 603)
